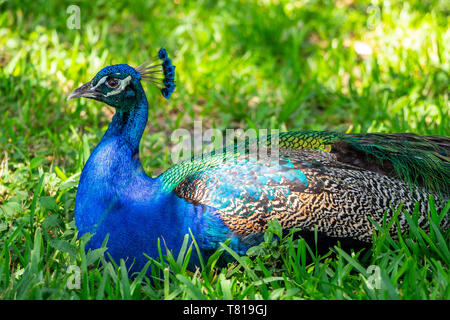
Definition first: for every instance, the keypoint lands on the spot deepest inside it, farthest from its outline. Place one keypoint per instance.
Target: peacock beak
(86, 91)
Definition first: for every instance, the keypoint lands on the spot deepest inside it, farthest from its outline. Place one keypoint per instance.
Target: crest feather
(161, 74)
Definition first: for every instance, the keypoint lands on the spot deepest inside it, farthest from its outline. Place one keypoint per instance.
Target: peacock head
(120, 85)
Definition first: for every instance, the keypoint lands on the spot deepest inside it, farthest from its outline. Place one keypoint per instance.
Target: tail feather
(417, 159)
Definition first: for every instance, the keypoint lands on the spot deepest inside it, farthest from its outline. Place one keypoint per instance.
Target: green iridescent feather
(416, 159)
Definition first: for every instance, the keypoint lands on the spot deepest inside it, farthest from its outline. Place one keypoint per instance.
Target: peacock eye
(112, 83)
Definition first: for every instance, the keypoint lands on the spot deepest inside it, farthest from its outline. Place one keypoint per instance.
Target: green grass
(240, 64)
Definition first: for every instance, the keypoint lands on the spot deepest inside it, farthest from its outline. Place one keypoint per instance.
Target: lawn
(348, 66)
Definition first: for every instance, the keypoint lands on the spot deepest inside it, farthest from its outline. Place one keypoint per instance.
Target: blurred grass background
(361, 66)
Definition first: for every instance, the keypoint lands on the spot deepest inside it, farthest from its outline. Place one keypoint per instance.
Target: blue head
(120, 85)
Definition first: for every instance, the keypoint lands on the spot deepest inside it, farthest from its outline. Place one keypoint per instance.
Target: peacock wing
(248, 189)
(309, 184)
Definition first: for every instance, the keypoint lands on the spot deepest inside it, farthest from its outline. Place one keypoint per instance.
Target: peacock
(330, 183)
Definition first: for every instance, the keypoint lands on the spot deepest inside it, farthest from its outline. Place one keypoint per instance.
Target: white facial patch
(99, 83)
(123, 84)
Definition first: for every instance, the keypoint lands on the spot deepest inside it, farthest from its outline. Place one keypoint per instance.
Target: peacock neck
(129, 123)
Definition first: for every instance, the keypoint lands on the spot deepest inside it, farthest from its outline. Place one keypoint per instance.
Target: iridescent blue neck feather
(129, 124)
(115, 197)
